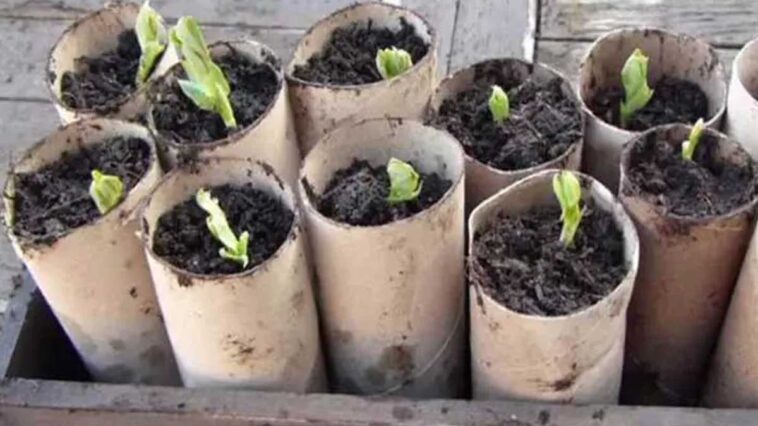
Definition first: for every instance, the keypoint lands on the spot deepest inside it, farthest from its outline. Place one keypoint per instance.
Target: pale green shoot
(568, 191)
(637, 91)
(207, 86)
(689, 146)
(392, 62)
(153, 39)
(405, 183)
(234, 249)
(500, 107)
(106, 191)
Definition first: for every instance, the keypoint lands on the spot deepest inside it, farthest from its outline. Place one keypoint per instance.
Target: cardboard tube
(270, 139)
(256, 329)
(742, 106)
(319, 108)
(95, 278)
(91, 36)
(673, 55)
(575, 358)
(688, 268)
(391, 296)
(482, 180)
(733, 379)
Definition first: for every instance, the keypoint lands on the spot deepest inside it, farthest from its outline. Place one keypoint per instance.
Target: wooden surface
(557, 32)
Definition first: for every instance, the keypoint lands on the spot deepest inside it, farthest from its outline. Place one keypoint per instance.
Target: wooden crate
(44, 384)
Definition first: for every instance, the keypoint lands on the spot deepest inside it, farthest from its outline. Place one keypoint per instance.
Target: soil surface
(673, 101)
(358, 195)
(182, 237)
(253, 88)
(55, 200)
(520, 262)
(103, 82)
(706, 186)
(544, 122)
(349, 57)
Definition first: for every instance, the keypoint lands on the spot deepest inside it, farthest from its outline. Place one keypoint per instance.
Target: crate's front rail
(44, 384)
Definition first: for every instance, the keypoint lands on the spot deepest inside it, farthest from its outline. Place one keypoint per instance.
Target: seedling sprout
(690, 145)
(568, 191)
(234, 249)
(106, 191)
(405, 182)
(207, 86)
(153, 39)
(637, 91)
(392, 62)
(500, 107)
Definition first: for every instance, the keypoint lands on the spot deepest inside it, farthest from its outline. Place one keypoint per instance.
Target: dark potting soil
(349, 57)
(103, 82)
(182, 237)
(253, 88)
(544, 123)
(520, 262)
(358, 195)
(54, 200)
(673, 101)
(704, 187)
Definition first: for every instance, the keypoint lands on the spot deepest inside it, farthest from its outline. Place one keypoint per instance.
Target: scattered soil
(674, 101)
(55, 200)
(707, 186)
(358, 195)
(544, 122)
(182, 237)
(253, 88)
(349, 57)
(520, 262)
(102, 83)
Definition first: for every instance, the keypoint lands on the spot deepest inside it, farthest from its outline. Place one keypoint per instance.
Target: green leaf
(500, 107)
(689, 146)
(636, 89)
(106, 191)
(405, 183)
(233, 248)
(568, 191)
(392, 62)
(152, 38)
(207, 86)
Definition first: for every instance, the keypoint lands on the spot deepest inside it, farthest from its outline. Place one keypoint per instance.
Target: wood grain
(728, 23)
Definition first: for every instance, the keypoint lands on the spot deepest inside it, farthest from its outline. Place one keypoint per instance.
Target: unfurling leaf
(392, 62)
(234, 249)
(568, 191)
(500, 107)
(637, 92)
(207, 86)
(106, 191)
(405, 183)
(690, 145)
(152, 38)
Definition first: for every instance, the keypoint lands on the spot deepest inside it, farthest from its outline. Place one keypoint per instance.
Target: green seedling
(234, 249)
(153, 39)
(392, 62)
(636, 89)
(690, 145)
(405, 182)
(106, 191)
(568, 191)
(500, 107)
(207, 86)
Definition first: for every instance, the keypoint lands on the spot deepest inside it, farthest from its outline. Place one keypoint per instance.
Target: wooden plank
(493, 28)
(724, 22)
(566, 56)
(29, 41)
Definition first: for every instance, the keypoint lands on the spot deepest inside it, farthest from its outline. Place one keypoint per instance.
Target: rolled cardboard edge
(742, 106)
